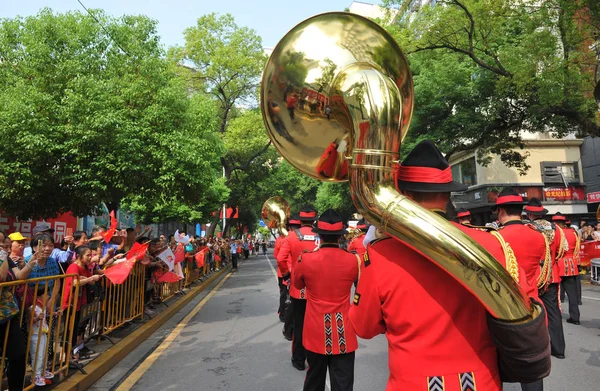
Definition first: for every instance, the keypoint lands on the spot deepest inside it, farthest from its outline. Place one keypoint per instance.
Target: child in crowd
(82, 267)
(39, 338)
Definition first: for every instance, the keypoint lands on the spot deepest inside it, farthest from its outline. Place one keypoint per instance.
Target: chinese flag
(179, 253)
(113, 228)
(169, 277)
(118, 273)
(199, 257)
(138, 251)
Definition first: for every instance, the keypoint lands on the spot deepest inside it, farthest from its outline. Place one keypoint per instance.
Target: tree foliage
(92, 114)
(487, 70)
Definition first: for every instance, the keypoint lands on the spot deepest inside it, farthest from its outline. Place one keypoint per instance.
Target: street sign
(593, 197)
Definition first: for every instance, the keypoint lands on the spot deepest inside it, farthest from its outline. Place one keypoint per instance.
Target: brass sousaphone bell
(275, 213)
(350, 96)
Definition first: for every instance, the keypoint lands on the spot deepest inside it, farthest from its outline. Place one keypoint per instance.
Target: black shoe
(298, 365)
(560, 356)
(286, 335)
(573, 321)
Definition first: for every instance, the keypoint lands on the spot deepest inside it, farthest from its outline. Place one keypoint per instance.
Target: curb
(107, 360)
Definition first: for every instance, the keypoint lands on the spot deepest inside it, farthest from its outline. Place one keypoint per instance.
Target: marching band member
(463, 216)
(535, 212)
(568, 269)
(284, 265)
(328, 274)
(298, 240)
(356, 244)
(438, 332)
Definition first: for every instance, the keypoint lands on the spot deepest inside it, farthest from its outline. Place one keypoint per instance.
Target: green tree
(485, 71)
(336, 196)
(92, 115)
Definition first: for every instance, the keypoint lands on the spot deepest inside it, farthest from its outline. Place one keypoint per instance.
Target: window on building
(465, 172)
(560, 172)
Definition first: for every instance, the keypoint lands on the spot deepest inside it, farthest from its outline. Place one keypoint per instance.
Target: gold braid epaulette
(577, 245)
(509, 255)
(561, 248)
(546, 272)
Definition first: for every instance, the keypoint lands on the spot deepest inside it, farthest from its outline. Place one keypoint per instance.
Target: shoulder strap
(299, 234)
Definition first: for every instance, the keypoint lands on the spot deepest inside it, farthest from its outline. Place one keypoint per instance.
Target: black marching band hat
(535, 207)
(307, 213)
(425, 170)
(508, 196)
(559, 217)
(462, 212)
(329, 223)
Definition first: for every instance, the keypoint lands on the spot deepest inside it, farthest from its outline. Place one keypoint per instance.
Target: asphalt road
(235, 343)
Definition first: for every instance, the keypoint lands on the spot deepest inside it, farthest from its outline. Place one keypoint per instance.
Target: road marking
(272, 268)
(591, 298)
(136, 375)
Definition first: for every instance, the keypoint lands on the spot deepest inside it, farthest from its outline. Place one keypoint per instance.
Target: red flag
(118, 273)
(113, 228)
(169, 277)
(179, 253)
(200, 257)
(137, 251)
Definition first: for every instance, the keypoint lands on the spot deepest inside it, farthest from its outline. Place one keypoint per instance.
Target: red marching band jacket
(278, 243)
(328, 275)
(357, 245)
(567, 265)
(529, 246)
(290, 251)
(436, 329)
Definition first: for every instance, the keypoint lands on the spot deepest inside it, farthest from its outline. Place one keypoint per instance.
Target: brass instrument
(275, 212)
(353, 95)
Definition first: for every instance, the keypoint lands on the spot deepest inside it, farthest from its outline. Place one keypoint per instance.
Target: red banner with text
(60, 224)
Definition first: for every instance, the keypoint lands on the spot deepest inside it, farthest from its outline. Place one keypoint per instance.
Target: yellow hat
(16, 236)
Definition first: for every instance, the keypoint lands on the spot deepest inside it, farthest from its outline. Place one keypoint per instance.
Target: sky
(271, 19)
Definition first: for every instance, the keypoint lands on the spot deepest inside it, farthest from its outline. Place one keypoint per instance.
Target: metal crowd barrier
(56, 353)
(124, 302)
(191, 271)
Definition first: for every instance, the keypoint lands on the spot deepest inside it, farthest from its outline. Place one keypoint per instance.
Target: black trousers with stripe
(299, 309)
(570, 287)
(555, 326)
(341, 371)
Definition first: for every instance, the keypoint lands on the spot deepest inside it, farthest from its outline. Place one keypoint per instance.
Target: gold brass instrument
(351, 93)
(275, 212)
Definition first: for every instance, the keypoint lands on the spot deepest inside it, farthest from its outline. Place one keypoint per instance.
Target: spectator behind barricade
(163, 240)
(97, 232)
(99, 261)
(6, 244)
(81, 267)
(151, 264)
(586, 233)
(45, 265)
(62, 256)
(11, 335)
(39, 338)
(17, 248)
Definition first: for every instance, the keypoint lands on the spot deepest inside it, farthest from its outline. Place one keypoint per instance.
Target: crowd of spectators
(86, 256)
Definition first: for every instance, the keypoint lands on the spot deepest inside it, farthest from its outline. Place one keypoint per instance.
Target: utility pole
(224, 210)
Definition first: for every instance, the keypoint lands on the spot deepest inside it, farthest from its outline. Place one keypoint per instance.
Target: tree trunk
(213, 225)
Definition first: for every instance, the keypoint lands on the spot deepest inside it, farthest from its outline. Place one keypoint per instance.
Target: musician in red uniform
(284, 266)
(328, 274)
(281, 282)
(463, 216)
(530, 246)
(356, 245)
(567, 266)
(297, 241)
(535, 212)
(437, 331)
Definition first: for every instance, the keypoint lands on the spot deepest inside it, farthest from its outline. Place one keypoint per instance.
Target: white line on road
(591, 298)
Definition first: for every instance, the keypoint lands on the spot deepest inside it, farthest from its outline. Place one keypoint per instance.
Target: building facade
(556, 176)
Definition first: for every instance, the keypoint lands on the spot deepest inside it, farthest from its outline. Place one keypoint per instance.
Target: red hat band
(308, 214)
(295, 222)
(423, 174)
(508, 198)
(534, 208)
(464, 214)
(559, 218)
(330, 227)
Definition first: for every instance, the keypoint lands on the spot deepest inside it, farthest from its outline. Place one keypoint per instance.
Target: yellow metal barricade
(56, 350)
(191, 272)
(124, 302)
